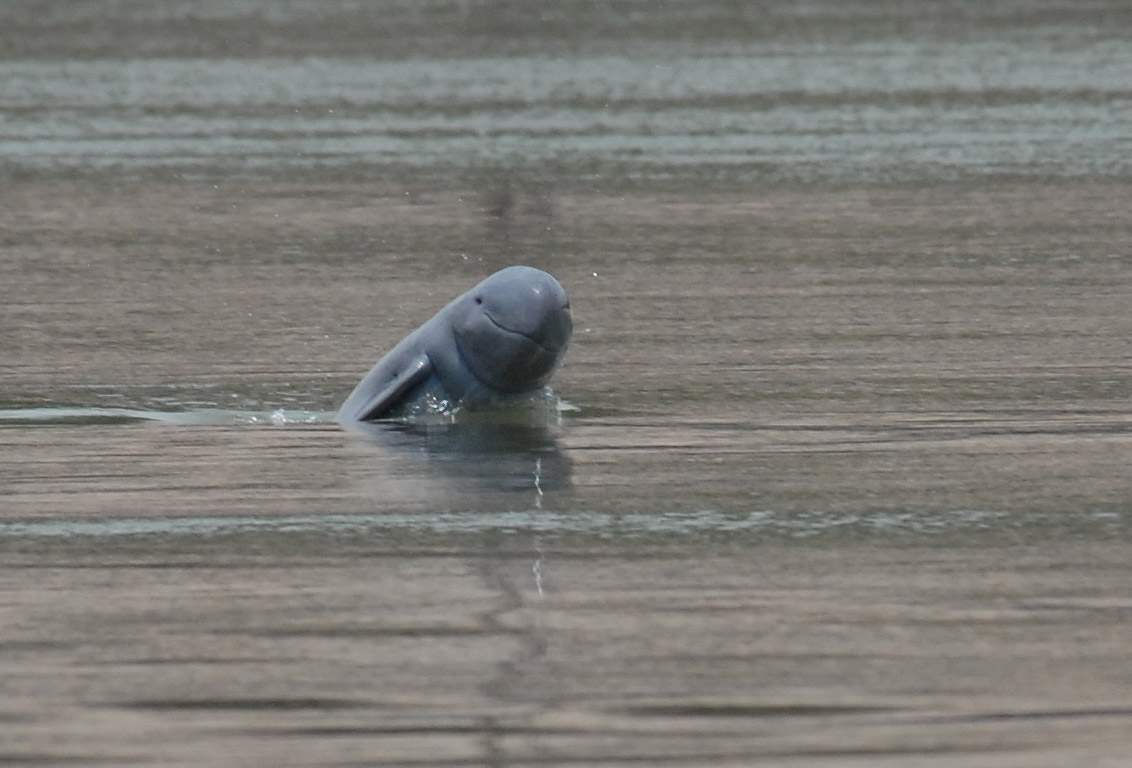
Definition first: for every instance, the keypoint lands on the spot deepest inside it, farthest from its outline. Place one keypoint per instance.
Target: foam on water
(196, 417)
(543, 407)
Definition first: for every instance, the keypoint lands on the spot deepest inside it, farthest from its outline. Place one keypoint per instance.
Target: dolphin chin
(504, 359)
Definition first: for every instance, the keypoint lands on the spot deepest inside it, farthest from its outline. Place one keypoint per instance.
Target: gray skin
(497, 342)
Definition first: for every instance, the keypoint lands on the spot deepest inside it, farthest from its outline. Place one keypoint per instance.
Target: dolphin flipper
(417, 371)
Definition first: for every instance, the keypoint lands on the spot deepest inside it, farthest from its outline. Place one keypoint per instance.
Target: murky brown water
(846, 476)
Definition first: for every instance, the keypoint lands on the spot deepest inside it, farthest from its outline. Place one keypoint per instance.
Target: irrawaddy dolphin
(499, 341)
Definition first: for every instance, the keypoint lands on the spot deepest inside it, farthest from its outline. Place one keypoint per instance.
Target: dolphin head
(512, 329)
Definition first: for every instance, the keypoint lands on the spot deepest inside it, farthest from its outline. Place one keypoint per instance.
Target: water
(858, 111)
(843, 472)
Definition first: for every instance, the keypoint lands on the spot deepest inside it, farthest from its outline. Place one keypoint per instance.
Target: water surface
(844, 472)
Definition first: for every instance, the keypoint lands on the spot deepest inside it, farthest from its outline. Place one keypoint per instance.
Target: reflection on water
(480, 456)
(942, 478)
(788, 110)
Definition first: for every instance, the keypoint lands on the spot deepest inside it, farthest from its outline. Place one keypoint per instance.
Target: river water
(840, 470)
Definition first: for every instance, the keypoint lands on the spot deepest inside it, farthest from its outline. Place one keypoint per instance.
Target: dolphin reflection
(479, 456)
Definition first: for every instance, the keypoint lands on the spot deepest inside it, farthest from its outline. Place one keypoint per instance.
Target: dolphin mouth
(514, 332)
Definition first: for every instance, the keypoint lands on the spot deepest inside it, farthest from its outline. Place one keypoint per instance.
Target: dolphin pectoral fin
(385, 399)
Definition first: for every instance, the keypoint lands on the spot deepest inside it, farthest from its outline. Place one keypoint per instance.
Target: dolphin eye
(479, 300)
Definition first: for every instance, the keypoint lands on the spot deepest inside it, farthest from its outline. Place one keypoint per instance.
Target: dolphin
(499, 341)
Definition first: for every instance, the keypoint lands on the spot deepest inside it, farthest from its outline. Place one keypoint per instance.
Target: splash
(542, 408)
